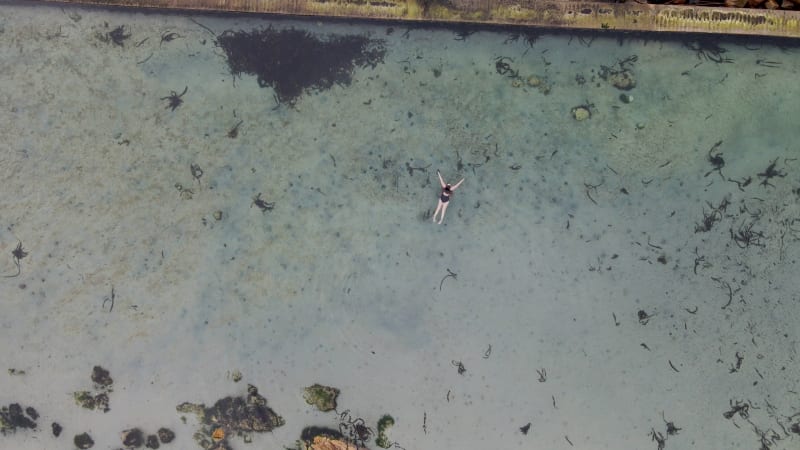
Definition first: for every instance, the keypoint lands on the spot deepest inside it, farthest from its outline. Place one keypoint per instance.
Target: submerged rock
(56, 429)
(581, 113)
(222, 445)
(12, 417)
(198, 409)
(99, 399)
(152, 441)
(318, 438)
(31, 413)
(132, 438)
(86, 400)
(325, 443)
(101, 377)
(237, 415)
(622, 79)
(83, 441)
(323, 397)
(165, 435)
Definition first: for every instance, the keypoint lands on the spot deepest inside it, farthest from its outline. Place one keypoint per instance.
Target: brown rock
(622, 80)
(735, 3)
(771, 4)
(755, 3)
(787, 4)
(326, 443)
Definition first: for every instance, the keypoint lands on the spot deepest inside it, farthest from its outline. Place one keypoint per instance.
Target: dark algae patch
(323, 397)
(13, 417)
(384, 423)
(103, 384)
(86, 400)
(101, 377)
(152, 441)
(293, 62)
(165, 435)
(233, 415)
(132, 438)
(83, 440)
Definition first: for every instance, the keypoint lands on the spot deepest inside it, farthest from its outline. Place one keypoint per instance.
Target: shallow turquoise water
(563, 234)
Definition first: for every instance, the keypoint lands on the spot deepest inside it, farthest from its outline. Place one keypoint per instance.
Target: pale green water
(562, 232)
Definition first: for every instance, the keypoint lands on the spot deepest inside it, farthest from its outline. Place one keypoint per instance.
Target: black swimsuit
(445, 197)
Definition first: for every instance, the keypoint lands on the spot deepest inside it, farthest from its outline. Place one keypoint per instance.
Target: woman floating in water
(444, 197)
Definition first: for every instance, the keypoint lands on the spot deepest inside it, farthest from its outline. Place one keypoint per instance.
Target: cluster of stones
(98, 399)
(232, 415)
(14, 416)
(135, 438)
(228, 416)
(622, 79)
(532, 81)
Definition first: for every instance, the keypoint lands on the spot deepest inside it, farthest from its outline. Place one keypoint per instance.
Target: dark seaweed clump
(292, 61)
(12, 417)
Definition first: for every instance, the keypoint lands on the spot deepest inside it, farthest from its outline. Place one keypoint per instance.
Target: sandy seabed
(590, 299)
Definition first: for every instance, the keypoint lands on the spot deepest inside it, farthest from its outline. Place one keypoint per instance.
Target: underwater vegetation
(294, 61)
(323, 397)
(14, 416)
(232, 416)
(99, 399)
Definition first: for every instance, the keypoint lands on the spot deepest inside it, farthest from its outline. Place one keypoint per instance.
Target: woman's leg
(444, 208)
(438, 207)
